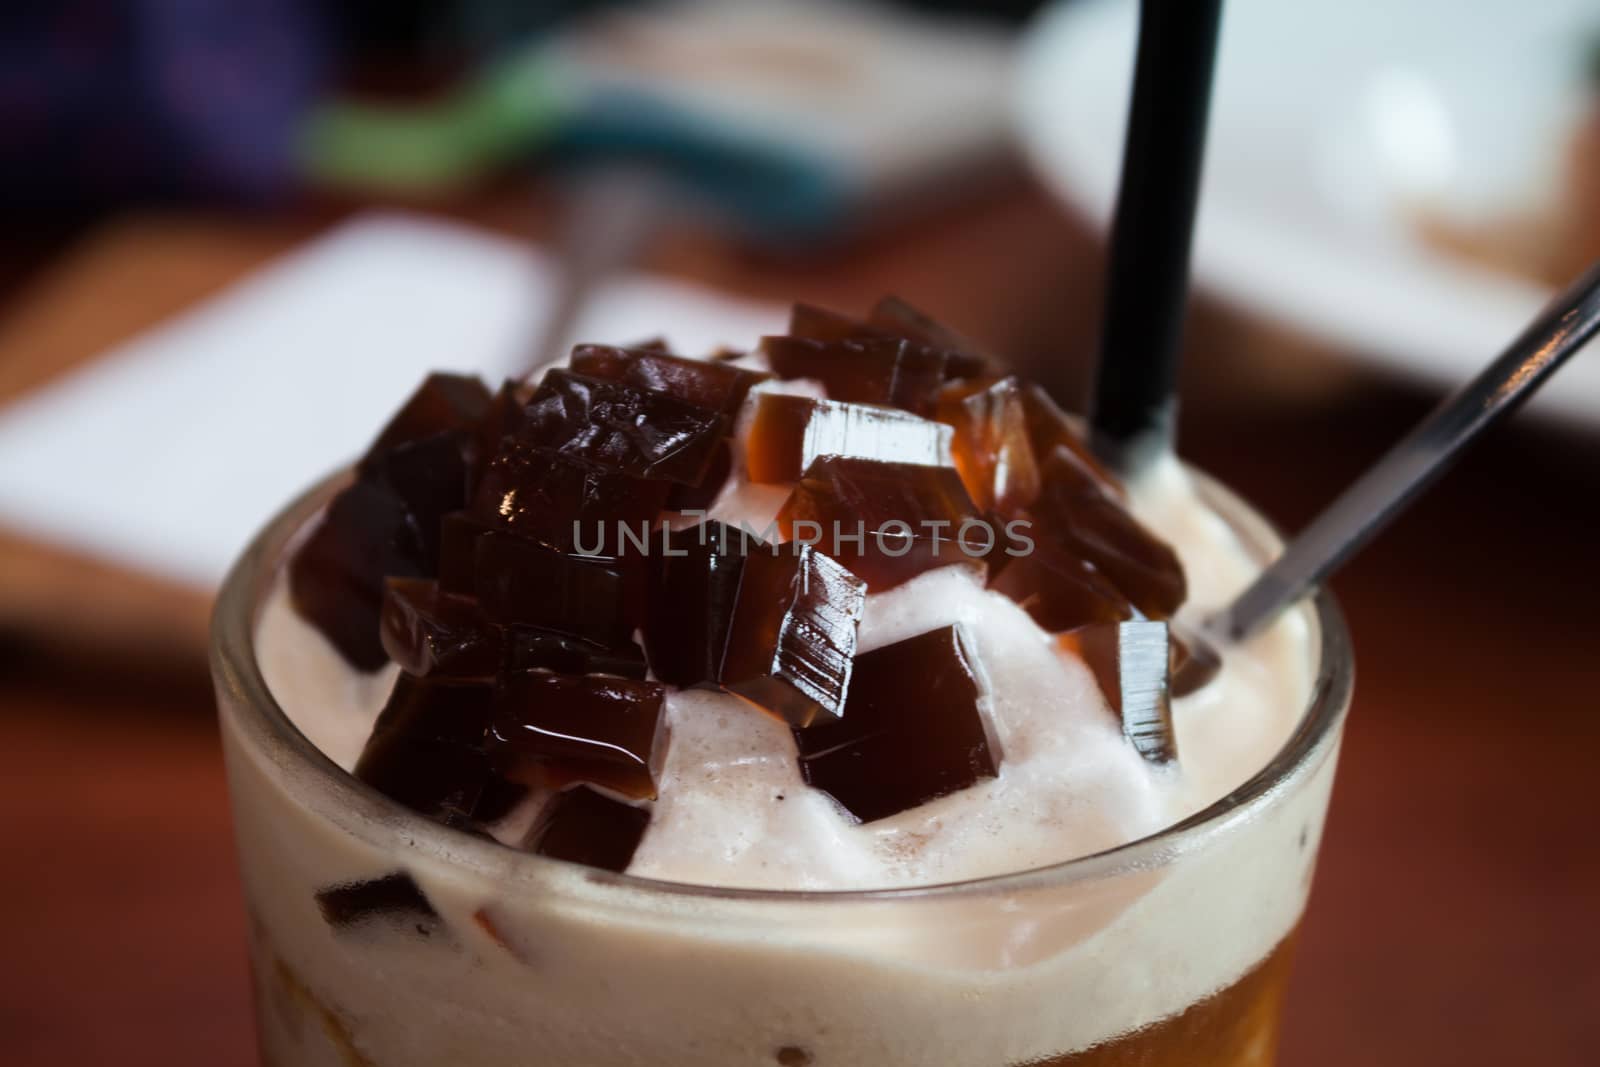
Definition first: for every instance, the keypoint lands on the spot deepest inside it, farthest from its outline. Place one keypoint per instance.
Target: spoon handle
(1561, 328)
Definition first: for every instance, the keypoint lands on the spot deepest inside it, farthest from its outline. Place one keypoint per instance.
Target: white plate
(1328, 120)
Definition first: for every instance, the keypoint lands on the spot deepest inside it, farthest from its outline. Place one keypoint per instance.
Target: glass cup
(1173, 949)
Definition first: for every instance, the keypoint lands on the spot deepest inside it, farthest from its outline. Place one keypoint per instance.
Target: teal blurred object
(522, 106)
(759, 185)
(782, 122)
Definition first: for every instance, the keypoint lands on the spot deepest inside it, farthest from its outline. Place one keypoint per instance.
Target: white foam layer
(601, 976)
(734, 811)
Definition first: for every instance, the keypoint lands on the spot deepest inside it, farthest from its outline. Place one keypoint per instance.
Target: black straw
(1147, 280)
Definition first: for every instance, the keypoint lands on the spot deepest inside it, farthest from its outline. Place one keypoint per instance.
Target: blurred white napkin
(170, 451)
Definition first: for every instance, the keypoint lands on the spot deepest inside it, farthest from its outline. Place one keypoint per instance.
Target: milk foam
(734, 811)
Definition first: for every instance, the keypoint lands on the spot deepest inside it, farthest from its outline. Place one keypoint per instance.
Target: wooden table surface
(1454, 918)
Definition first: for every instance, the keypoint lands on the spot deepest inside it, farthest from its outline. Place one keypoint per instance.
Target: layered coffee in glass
(743, 792)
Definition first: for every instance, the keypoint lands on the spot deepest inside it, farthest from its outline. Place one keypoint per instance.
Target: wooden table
(1454, 917)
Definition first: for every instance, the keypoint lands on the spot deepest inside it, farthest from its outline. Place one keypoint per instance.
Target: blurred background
(236, 235)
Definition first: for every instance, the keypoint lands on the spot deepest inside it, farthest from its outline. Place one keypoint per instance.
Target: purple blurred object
(105, 102)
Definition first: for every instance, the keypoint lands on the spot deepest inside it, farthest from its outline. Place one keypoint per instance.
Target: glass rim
(387, 823)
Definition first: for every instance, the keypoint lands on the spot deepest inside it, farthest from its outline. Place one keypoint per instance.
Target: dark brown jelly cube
(1195, 661)
(963, 358)
(908, 517)
(458, 552)
(868, 370)
(501, 420)
(565, 502)
(814, 323)
(443, 403)
(532, 648)
(912, 729)
(701, 497)
(775, 443)
(393, 897)
(433, 476)
(788, 432)
(336, 578)
(594, 728)
(793, 634)
(429, 750)
(991, 446)
(1050, 428)
(635, 431)
(1130, 661)
(596, 598)
(583, 825)
(693, 587)
(1067, 473)
(429, 632)
(891, 317)
(1077, 519)
(1060, 590)
(717, 386)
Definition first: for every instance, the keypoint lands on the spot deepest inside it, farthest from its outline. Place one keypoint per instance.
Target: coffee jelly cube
(386, 523)
(1195, 661)
(1131, 662)
(963, 358)
(433, 476)
(908, 517)
(429, 632)
(693, 588)
(1062, 591)
(634, 431)
(991, 446)
(793, 634)
(1074, 518)
(501, 420)
(583, 825)
(565, 502)
(788, 432)
(443, 403)
(1050, 428)
(868, 370)
(913, 729)
(336, 577)
(458, 552)
(393, 898)
(533, 648)
(592, 728)
(812, 323)
(717, 386)
(891, 317)
(595, 598)
(701, 497)
(429, 750)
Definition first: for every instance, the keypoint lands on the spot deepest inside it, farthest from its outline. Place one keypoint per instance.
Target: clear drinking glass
(1173, 949)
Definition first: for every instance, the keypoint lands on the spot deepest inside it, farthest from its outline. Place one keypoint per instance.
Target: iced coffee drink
(825, 704)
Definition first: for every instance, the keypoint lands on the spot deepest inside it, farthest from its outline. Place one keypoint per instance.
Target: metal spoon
(1561, 329)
